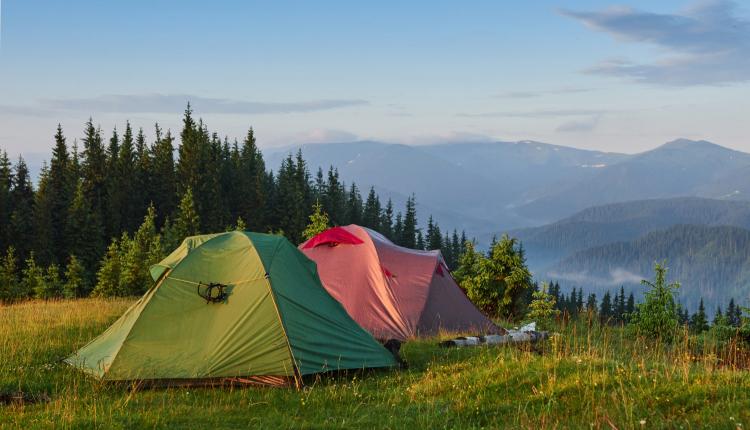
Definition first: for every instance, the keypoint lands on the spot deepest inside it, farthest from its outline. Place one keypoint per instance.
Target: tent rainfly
(392, 291)
(238, 305)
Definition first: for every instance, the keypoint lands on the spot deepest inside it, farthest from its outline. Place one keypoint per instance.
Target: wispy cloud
(540, 93)
(579, 126)
(706, 44)
(166, 103)
(542, 113)
(616, 277)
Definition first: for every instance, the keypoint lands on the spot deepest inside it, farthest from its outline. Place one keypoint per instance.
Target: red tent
(392, 291)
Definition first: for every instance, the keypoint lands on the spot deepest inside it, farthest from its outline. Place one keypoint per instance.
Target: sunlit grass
(587, 377)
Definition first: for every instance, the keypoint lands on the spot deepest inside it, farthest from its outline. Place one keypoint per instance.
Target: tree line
(102, 213)
(615, 308)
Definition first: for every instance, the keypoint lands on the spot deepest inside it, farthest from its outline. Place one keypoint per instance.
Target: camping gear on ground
(237, 305)
(392, 291)
(525, 334)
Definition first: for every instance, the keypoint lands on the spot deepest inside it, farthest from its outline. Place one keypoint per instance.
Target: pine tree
(398, 230)
(60, 189)
(372, 213)
(251, 177)
(591, 303)
(542, 308)
(43, 229)
(354, 206)
(84, 234)
(434, 236)
(734, 314)
(621, 305)
(94, 181)
(699, 320)
(6, 183)
(163, 176)
(21, 226)
(240, 225)
(630, 308)
(9, 282)
(420, 243)
(32, 278)
(579, 300)
(187, 222)
(605, 311)
(386, 221)
(334, 201)
(124, 194)
(318, 222)
(290, 212)
(718, 316)
(409, 230)
(108, 276)
(138, 255)
(75, 285)
(50, 286)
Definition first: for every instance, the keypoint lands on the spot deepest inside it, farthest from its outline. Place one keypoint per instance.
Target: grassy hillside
(589, 377)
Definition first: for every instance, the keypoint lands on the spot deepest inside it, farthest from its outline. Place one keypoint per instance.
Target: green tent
(275, 324)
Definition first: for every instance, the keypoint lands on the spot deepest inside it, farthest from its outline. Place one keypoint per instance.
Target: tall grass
(588, 376)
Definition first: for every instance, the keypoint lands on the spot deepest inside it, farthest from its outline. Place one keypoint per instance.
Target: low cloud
(532, 94)
(545, 113)
(706, 44)
(164, 103)
(618, 276)
(579, 126)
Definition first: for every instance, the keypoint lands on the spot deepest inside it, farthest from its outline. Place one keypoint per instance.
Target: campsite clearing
(585, 378)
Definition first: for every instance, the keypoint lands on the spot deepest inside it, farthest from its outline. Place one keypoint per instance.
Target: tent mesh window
(213, 292)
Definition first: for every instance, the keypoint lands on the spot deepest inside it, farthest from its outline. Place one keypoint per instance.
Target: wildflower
(642, 422)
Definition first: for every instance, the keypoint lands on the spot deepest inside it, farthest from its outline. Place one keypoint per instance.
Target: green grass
(588, 377)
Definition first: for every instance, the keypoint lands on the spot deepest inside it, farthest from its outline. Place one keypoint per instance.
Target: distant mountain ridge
(624, 221)
(710, 262)
(486, 188)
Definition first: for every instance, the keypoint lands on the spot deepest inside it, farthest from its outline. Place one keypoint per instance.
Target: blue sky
(591, 74)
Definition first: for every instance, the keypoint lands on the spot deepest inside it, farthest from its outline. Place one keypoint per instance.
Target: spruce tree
(699, 320)
(318, 222)
(60, 189)
(605, 310)
(75, 281)
(6, 183)
(94, 171)
(138, 255)
(9, 282)
(50, 286)
(372, 213)
(591, 303)
(621, 305)
(124, 196)
(420, 243)
(409, 230)
(251, 178)
(354, 206)
(84, 235)
(108, 276)
(21, 226)
(42, 216)
(398, 230)
(630, 308)
(32, 278)
(162, 174)
(187, 222)
(434, 236)
(386, 221)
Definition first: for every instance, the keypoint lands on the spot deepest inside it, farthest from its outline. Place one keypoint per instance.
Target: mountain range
(591, 219)
(486, 188)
